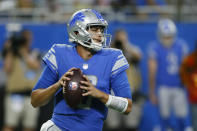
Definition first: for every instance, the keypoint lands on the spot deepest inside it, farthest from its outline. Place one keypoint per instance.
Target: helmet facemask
(96, 37)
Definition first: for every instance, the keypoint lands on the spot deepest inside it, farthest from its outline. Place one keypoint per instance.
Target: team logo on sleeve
(72, 86)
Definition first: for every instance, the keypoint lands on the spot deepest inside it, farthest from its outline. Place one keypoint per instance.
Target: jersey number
(172, 67)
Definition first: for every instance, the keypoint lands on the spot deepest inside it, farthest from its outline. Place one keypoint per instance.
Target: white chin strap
(92, 45)
(96, 46)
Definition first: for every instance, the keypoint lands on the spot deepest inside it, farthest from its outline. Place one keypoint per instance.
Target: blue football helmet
(83, 20)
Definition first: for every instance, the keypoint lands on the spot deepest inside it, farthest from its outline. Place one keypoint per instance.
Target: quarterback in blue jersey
(103, 68)
(166, 89)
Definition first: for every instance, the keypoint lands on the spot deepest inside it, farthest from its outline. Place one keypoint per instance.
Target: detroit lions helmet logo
(78, 17)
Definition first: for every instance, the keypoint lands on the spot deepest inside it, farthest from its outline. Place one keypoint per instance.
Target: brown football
(72, 92)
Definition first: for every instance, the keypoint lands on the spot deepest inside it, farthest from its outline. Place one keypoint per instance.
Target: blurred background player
(166, 89)
(22, 68)
(104, 67)
(188, 72)
(116, 121)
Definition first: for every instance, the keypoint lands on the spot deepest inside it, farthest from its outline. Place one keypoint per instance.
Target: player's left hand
(90, 89)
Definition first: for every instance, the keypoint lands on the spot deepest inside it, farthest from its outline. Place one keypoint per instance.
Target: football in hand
(72, 92)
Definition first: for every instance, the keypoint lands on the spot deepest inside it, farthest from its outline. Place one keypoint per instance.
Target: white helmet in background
(166, 31)
(83, 20)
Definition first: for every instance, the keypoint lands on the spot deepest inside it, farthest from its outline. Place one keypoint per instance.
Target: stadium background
(45, 35)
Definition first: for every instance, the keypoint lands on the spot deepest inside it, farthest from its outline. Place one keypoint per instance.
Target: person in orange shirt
(188, 72)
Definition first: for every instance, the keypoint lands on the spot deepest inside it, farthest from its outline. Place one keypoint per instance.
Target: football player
(165, 56)
(103, 68)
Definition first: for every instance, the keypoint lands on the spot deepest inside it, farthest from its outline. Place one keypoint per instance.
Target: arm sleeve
(120, 85)
(47, 78)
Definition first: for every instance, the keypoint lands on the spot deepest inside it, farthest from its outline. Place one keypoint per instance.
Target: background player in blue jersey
(166, 90)
(104, 69)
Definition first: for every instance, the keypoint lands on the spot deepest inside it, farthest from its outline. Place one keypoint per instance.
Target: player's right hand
(64, 78)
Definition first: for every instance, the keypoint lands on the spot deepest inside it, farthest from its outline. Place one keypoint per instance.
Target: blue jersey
(103, 70)
(168, 62)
